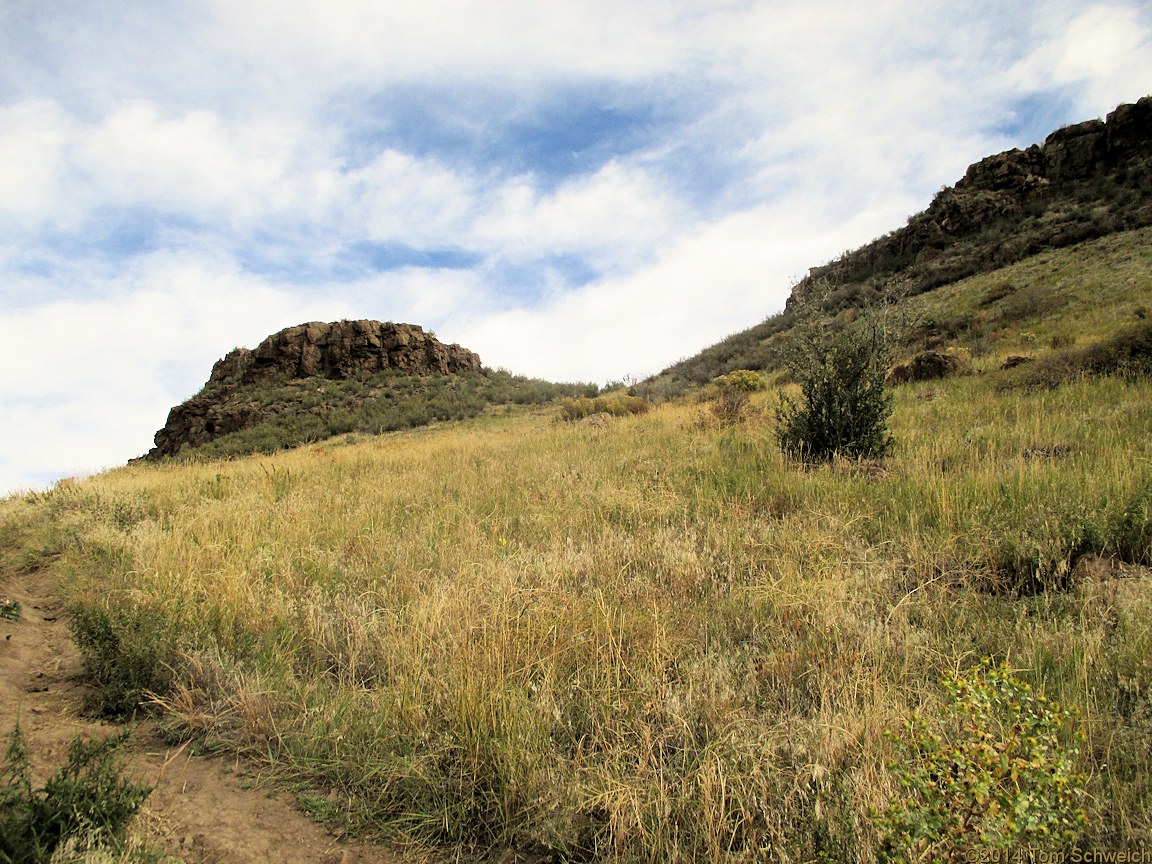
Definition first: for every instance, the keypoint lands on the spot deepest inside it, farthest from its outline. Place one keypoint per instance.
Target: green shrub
(9, 609)
(86, 798)
(128, 652)
(996, 772)
(844, 405)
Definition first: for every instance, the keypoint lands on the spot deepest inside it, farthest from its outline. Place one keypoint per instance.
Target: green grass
(656, 639)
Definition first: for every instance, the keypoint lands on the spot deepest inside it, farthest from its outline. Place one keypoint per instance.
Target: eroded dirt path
(202, 809)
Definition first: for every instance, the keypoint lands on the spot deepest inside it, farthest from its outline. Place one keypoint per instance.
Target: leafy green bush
(996, 772)
(86, 798)
(127, 651)
(844, 405)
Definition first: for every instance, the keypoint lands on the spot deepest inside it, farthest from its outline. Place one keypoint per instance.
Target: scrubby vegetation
(729, 397)
(996, 775)
(612, 404)
(655, 640)
(1128, 351)
(843, 406)
(85, 805)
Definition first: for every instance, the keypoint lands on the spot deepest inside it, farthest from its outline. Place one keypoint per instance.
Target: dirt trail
(202, 809)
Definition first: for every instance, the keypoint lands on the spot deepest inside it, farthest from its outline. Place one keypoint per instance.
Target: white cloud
(190, 164)
(727, 276)
(97, 375)
(34, 135)
(615, 216)
(1104, 53)
(313, 42)
(409, 200)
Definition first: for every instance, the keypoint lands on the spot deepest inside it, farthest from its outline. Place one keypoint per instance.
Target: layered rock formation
(340, 350)
(344, 349)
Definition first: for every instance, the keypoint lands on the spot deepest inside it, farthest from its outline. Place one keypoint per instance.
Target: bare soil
(202, 808)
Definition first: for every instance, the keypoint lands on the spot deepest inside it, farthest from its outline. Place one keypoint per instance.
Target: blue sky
(575, 189)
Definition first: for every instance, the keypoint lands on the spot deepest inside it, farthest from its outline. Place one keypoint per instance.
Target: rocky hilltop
(341, 350)
(232, 400)
(1084, 181)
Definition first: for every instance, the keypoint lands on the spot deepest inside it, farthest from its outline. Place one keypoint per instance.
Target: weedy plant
(9, 609)
(127, 652)
(87, 798)
(997, 772)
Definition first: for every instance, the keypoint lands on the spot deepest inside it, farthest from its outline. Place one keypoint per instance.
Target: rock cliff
(340, 350)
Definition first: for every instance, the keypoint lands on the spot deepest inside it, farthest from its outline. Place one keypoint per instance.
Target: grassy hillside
(1070, 294)
(654, 638)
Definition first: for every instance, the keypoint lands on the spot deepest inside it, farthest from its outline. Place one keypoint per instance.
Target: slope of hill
(1085, 181)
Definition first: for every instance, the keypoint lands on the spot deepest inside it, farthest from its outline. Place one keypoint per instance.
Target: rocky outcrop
(342, 350)
(230, 400)
(1084, 181)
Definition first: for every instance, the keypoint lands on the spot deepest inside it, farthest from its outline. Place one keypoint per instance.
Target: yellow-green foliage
(744, 380)
(996, 773)
(653, 640)
(614, 404)
(86, 802)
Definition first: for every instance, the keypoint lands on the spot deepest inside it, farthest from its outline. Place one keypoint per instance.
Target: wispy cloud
(584, 189)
